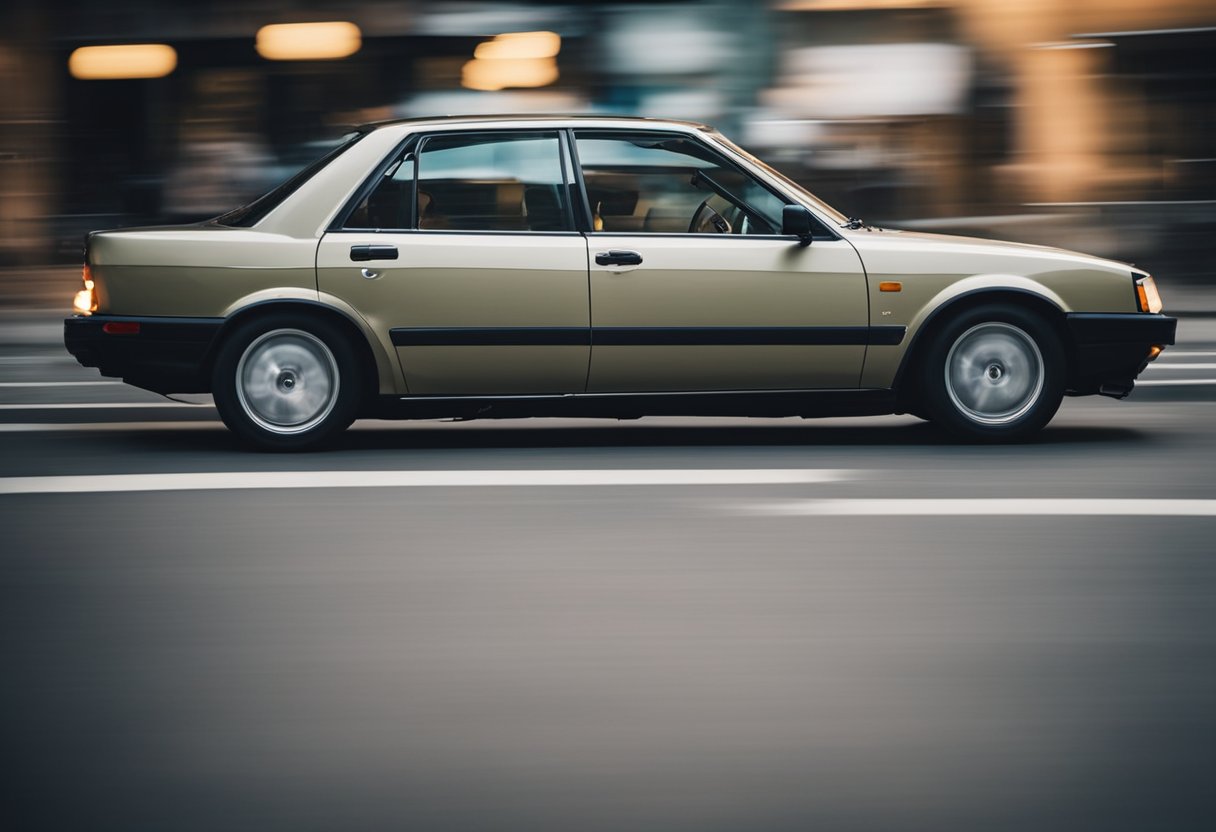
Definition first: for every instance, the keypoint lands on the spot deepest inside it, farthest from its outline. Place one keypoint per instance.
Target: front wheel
(281, 383)
(994, 374)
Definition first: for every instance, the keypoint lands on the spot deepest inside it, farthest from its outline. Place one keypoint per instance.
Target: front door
(465, 255)
(694, 288)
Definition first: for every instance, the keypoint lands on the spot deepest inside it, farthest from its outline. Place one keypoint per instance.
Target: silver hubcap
(994, 373)
(287, 381)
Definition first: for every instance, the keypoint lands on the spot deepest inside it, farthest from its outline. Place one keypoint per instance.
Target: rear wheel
(286, 383)
(994, 373)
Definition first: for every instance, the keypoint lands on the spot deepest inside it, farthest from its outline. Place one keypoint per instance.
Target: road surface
(669, 624)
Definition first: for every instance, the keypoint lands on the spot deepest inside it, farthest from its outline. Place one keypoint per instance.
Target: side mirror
(796, 221)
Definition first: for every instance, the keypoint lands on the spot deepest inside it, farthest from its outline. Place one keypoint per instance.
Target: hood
(891, 238)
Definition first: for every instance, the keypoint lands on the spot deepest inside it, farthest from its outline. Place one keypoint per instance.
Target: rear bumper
(166, 355)
(1112, 349)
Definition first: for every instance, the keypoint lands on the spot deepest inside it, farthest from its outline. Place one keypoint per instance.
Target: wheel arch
(1038, 300)
(380, 372)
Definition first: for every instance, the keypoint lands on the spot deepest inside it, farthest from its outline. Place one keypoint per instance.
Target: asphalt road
(669, 624)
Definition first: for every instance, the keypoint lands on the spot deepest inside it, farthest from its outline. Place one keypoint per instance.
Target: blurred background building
(1089, 124)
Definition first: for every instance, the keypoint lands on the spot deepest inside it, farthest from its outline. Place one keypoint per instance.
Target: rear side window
(472, 182)
(253, 213)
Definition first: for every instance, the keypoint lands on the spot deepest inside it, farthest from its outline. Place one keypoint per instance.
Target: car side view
(509, 266)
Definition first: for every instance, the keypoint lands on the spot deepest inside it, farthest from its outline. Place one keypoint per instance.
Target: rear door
(464, 253)
(694, 288)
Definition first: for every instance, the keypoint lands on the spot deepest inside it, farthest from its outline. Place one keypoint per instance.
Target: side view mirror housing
(796, 221)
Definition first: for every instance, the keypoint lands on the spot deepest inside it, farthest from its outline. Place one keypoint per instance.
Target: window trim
(415, 144)
(717, 152)
(582, 214)
(369, 184)
(586, 222)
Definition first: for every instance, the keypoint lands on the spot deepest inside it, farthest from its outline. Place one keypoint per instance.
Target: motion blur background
(649, 657)
(1087, 124)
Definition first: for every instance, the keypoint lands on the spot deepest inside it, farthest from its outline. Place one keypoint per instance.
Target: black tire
(993, 373)
(285, 382)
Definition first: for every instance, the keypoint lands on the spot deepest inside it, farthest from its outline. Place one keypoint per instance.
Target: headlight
(85, 301)
(1150, 298)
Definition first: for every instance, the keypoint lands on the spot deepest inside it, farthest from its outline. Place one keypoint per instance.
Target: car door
(692, 285)
(464, 254)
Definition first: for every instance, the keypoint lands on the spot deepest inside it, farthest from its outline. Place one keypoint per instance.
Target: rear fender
(388, 368)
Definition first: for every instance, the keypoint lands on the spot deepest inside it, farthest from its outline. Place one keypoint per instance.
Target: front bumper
(166, 355)
(1111, 349)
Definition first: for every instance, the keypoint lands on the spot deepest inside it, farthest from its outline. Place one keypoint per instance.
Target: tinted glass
(387, 207)
(673, 185)
(486, 182)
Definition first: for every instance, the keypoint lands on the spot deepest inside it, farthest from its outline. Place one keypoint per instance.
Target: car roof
(527, 118)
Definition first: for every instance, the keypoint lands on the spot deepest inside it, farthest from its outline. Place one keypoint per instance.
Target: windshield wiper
(854, 223)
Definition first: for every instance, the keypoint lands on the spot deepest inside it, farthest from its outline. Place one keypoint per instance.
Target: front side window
(669, 184)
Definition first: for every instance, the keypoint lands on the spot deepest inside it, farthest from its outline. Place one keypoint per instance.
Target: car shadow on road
(918, 434)
(372, 437)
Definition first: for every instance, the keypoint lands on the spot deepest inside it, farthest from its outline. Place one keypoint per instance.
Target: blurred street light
(501, 73)
(321, 41)
(520, 45)
(514, 59)
(132, 60)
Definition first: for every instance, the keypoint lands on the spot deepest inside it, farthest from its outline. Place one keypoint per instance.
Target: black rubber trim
(167, 355)
(746, 335)
(887, 336)
(647, 336)
(1112, 349)
(806, 403)
(1122, 328)
(151, 328)
(461, 336)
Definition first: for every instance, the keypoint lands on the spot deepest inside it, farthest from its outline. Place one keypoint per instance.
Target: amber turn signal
(890, 286)
(1148, 296)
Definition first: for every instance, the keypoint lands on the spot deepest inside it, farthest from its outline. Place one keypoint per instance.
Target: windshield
(831, 212)
(253, 213)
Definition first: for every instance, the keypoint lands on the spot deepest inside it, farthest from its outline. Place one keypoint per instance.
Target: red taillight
(120, 328)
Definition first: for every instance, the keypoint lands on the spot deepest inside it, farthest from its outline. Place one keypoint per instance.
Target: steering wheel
(707, 220)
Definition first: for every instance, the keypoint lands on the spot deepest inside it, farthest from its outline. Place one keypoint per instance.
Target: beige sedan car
(589, 266)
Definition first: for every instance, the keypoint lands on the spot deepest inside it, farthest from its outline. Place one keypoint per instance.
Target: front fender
(884, 364)
(977, 284)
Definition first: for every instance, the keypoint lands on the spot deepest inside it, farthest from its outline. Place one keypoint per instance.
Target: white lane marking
(1170, 352)
(426, 479)
(96, 406)
(91, 427)
(1161, 366)
(68, 383)
(1173, 382)
(968, 507)
(37, 359)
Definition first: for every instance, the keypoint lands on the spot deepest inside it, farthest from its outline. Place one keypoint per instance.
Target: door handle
(618, 258)
(358, 253)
